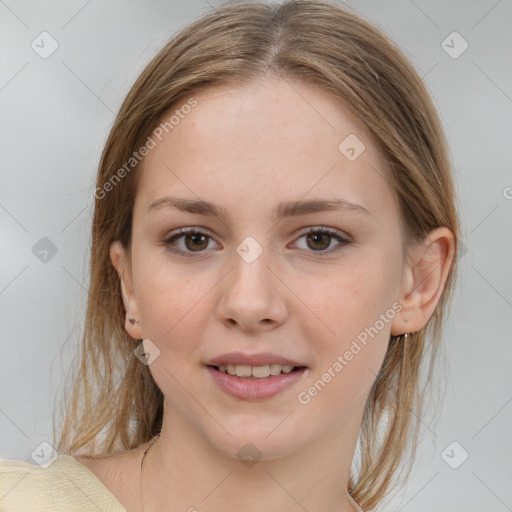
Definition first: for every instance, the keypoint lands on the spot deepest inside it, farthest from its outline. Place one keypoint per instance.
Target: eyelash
(313, 231)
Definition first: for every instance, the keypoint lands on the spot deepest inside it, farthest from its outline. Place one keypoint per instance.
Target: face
(256, 281)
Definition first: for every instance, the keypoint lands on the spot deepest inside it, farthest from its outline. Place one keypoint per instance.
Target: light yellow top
(66, 485)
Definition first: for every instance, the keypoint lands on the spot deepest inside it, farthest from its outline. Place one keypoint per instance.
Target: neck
(312, 478)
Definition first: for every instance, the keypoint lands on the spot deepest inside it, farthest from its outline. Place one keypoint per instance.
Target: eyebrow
(285, 209)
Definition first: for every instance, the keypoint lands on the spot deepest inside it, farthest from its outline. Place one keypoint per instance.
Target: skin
(245, 149)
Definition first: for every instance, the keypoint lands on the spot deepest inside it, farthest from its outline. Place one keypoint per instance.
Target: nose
(253, 296)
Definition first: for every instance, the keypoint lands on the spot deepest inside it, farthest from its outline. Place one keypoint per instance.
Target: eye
(193, 240)
(319, 239)
(196, 241)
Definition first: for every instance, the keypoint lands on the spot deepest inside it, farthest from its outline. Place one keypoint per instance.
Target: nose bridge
(250, 273)
(251, 294)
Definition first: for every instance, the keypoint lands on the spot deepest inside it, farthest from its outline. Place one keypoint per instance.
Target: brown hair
(338, 51)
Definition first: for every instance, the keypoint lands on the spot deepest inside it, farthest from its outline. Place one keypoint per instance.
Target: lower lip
(255, 389)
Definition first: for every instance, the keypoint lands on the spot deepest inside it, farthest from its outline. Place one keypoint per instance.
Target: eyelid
(321, 227)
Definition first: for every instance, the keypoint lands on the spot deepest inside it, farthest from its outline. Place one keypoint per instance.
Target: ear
(121, 261)
(425, 274)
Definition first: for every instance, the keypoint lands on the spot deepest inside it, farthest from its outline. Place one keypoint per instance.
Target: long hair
(114, 402)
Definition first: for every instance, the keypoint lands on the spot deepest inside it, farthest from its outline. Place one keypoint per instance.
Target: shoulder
(63, 485)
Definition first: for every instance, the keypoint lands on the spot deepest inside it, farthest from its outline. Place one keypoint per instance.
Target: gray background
(55, 117)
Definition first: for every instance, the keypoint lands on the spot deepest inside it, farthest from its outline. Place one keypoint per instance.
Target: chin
(256, 445)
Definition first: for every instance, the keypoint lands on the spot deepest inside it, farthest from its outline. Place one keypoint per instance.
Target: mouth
(256, 372)
(255, 382)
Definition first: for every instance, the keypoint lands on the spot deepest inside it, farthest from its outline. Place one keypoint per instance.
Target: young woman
(272, 254)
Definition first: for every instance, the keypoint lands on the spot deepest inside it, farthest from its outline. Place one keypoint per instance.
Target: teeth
(259, 372)
(275, 369)
(242, 370)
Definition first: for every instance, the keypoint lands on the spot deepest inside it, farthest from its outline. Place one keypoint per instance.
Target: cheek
(172, 302)
(353, 311)
(167, 306)
(348, 300)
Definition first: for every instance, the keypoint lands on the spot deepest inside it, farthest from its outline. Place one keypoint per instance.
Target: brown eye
(318, 241)
(192, 241)
(195, 241)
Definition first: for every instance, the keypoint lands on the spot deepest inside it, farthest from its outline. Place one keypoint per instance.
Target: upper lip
(261, 359)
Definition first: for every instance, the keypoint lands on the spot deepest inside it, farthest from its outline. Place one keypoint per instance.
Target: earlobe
(120, 263)
(424, 280)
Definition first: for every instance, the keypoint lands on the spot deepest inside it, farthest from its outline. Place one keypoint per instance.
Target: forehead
(252, 144)
(270, 110)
